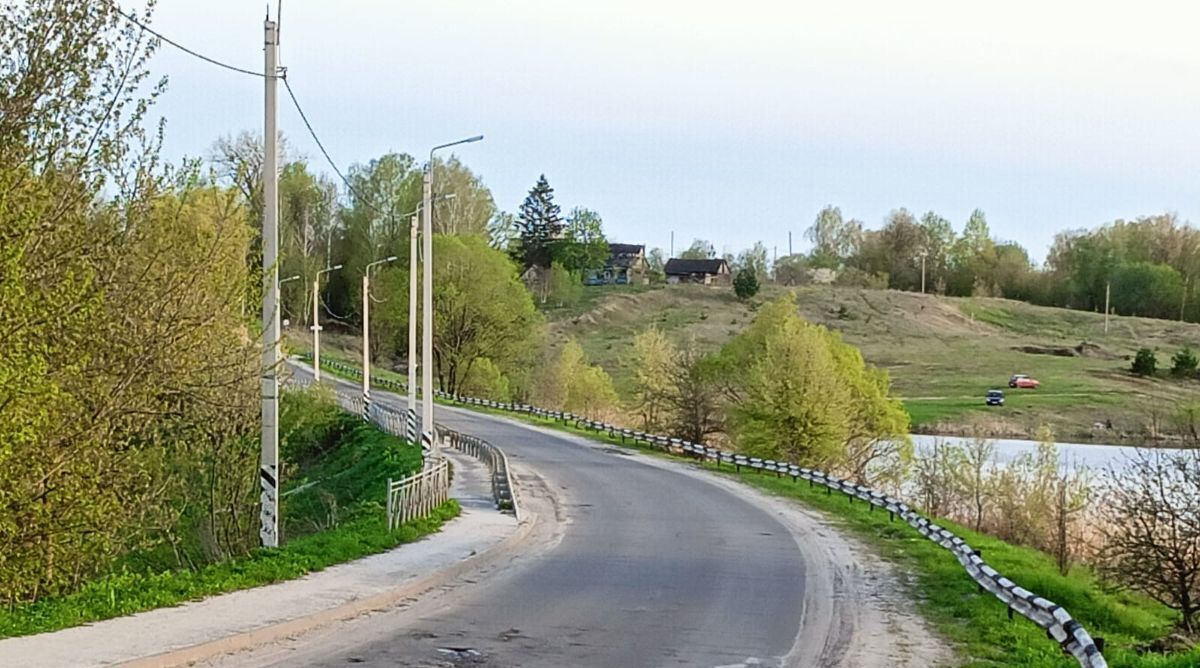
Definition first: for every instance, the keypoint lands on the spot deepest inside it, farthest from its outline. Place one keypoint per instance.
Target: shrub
(1184, 363)
(1145, 363)
(745, 284)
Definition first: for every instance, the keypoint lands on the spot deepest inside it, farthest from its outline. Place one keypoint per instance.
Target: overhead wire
(191, 52)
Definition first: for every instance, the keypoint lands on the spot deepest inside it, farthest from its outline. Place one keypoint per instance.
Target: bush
(853, 277)
(1145, 363)
(1184, 363)
(745, 284)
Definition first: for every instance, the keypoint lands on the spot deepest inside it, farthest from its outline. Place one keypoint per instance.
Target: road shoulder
(241, 619)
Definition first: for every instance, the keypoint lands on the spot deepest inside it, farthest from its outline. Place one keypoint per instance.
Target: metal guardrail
(495, 460)
(393, 422)
(1049, 616)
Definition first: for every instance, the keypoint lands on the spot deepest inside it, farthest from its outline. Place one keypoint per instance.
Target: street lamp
(289, 278)
(366, 313)
(316, 326)
(427, 303)
(410, 416)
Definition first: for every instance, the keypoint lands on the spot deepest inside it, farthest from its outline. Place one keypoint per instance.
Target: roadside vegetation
(332, 509)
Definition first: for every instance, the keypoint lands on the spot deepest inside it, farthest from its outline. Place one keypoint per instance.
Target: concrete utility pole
(268, 470)
(410, 422)
(923, 273)
(1107, 293)
(672, 244)
(366, 313)
(316, 318)
(427, 443)
(789, 243)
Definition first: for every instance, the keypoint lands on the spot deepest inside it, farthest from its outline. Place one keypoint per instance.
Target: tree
(1145, 363)
(834, 240)
(1153, 529)
(799, 393)
(656, 265)
(745, 284)
(1142, 288)
(584, 248)
(699, 250)
(471, 208)
(937, 242)
(541, 226)
(653, 361)
(1183, 363)
(124, 349)
(502, 230)
(481, 310)
(695, 397)
(569, 382)
(792, 270)
(753, 258)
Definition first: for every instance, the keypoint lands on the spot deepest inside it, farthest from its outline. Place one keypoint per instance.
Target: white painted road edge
(228, 622)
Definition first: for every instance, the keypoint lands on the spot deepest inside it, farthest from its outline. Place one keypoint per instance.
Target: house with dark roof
(707, 272)
(626, 265)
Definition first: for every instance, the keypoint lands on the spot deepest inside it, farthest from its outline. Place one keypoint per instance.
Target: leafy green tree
(1145, 363)
(1142, 288)
(792, 270)
(481, 310)
(753, 258)
(745, 284)
(937, 242)
(584, 248)
(569, 382)
(487, 381)
(656, 265)
(1184, 363)
(699, 250)
(502, 230)
(653, 360)
(834, 239)
(801, 394)
(541, 226)
(471, 208)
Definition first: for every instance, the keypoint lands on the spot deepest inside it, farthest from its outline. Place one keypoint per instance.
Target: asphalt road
(653, 568)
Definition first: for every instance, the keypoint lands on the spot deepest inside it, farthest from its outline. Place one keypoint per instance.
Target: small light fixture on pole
(366, 325)
(316, 320)
(427, 427)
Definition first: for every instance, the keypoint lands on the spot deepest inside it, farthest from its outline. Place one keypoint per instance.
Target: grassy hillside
(943, 353)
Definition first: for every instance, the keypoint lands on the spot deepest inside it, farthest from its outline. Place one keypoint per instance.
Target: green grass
(350, 459)
(976, 623)
(943, 354)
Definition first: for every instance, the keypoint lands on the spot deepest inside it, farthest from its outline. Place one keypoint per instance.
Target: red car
(1023, 382)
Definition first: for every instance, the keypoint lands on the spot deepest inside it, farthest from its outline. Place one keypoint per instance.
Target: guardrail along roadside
(1052, 618)
(417, 495)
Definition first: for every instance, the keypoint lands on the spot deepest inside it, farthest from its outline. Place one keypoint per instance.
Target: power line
(317, 140)
(179, 46)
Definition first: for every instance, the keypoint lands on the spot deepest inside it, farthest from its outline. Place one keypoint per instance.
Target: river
(1095, 456)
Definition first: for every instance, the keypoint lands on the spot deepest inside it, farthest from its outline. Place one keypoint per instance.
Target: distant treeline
(1148, 263)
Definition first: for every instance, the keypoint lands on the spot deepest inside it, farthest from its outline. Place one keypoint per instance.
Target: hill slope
(943, 353)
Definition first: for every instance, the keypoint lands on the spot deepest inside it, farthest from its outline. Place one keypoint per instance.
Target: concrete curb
(377, 602)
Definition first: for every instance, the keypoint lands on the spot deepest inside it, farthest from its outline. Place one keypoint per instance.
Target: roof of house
(626, 249)
(624, 255)
(677, 266)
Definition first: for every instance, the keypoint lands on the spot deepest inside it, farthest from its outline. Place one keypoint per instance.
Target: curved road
(649, 564)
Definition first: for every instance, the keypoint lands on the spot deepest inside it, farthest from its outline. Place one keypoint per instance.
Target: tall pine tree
(541, 226)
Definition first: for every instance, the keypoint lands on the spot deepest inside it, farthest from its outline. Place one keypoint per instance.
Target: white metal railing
(417, 495)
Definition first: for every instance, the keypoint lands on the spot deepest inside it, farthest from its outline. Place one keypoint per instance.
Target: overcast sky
(733, 121)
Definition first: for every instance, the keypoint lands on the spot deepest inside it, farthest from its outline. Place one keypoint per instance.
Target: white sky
(734, 121)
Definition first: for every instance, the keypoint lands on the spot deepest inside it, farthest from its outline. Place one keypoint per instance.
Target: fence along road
(654, 567)
(1053, 618)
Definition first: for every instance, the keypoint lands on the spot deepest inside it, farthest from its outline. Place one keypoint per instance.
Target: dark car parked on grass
(994, 398)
